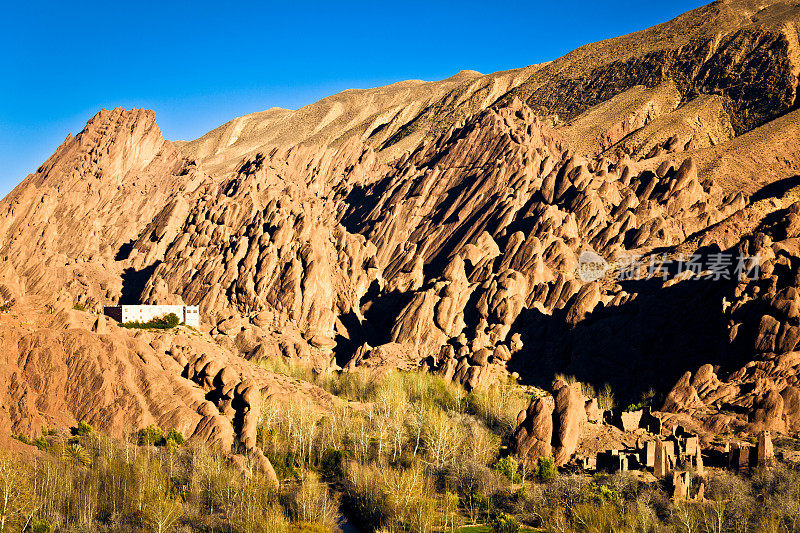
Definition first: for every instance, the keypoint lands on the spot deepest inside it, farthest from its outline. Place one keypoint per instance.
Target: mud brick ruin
(677, 456)
(743, 456)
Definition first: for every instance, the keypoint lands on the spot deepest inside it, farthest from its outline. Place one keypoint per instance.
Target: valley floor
(401, 452)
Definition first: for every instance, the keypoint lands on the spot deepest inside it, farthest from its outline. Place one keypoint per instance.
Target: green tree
(151, 436)
(176, 436)
(170, 320)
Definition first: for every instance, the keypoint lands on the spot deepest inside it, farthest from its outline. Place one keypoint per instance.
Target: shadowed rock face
(500, 210)
(441, 225)
(762, 319)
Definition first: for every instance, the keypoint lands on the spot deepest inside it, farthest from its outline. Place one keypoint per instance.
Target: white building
(188, 314)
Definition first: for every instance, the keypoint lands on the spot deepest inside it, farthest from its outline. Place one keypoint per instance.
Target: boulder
(568, 419)
(264, 464)
(481, 357)
(533, 436)
(448, 367)
(592, 411)
(582, 303)
(791, 408)
(768, 413)
(501, 353)
(683, 397)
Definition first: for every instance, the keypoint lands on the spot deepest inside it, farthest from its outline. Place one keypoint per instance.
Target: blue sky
(199, 64)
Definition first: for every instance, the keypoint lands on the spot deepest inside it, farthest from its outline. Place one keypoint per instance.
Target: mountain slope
(374, 116)
(743, 52)
(63, 226)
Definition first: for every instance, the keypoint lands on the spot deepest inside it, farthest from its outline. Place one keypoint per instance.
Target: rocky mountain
(439, 225)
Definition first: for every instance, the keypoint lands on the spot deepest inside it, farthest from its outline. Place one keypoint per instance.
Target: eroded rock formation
(440, 226)
(552, 425)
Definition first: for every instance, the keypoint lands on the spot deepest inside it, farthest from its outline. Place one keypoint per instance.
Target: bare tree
(16, 497)
(686, 517)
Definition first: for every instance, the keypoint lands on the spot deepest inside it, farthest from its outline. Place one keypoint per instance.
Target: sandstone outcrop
(534, 435)
(64, 226)
(552, 425)
(568, 418)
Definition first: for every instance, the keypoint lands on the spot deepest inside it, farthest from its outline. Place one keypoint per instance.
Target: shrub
(331, 466)
(569, 380)
(478, 442)
(23, 438)
(431, 390)
(79, 306)
(733, 498)
(597, 517)
(474, 483)
(601, 493)
(605, 400)
(40, 525)
(176, 436)
(42, 444)
(84, 429)
(651, 397)
(77, 453)
(168, 321)
(545, 469)
(439, 437)
(397, 499)
(311, 502)
(625, 484)
(299, 369)
(509, 468)
(171, 445)
(359, 385)
(503, 523)
(568, 490)
(588, 389)
(497, 406)
(648, 398)
(160, 509)
(364, 496)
